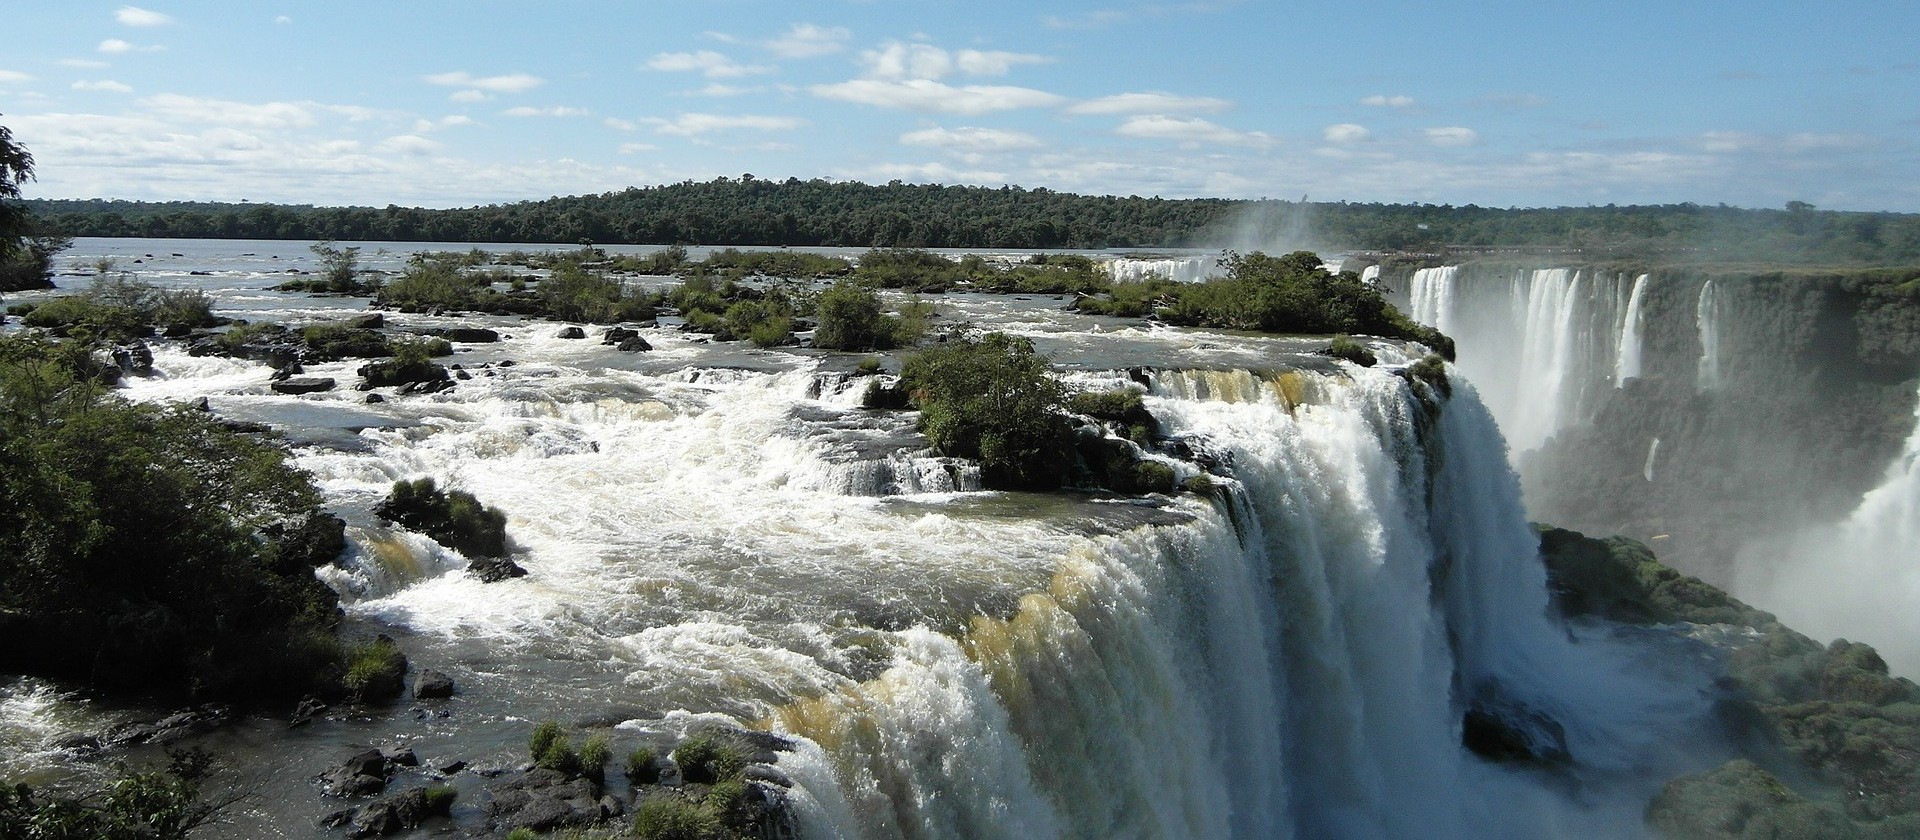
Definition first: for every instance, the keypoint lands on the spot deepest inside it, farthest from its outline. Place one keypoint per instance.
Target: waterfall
(1432, 291)
(1370, 275)
(1707, 317)
(1627, 363)
(1857, 579)
(1292, 662)
(1547, 356)
(1653, 452)
(1187, 270)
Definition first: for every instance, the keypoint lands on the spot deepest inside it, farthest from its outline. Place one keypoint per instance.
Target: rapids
(713, 531)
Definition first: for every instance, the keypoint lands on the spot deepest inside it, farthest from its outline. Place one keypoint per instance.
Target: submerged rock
(572, 332)
(634, 344)
(432, 685)
(304, 385)
(495, 569)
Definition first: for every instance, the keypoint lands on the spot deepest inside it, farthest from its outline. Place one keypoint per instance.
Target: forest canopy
(752, 211)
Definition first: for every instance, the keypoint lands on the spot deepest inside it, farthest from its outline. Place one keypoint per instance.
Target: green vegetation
(1348, 348)
(851, 317)
(675, 818)
(118, 306)
(453, 518)
(150, 549)
(137, 805)
(376, 671)
(339, 273)
(751, 211)
(709, 758)
(643, 766)
(991, 399)
(575, 293)
(26, 255)
(593, 758)
(1122, 407)
(1293, 293)
(1833, 710)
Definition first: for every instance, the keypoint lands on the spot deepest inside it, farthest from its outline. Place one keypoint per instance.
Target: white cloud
(1189, 130)
(806, 40)
(454, 121)
(896, 60)
(619, 124)
(136, 16)
(718, 89)
(191, 109)
(971, 139)
(115, 46)
(994, 63)
(510, 83)
(1344, 133)
(1451, 136)
(1150, 102)
(931, 173)
(13, 77)
(468, 96)
(694, 125)
(636, 148)
(711, 64)
(283, 20)
(1384, 101)
(85, 63)
(103, 85)
(928, 95)
(408, 144)
(558, 111)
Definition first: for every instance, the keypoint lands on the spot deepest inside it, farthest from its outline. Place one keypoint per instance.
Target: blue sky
(433, 103)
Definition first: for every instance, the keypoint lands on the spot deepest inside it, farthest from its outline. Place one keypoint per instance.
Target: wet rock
(451, 767)
(374, 398)
(634, 344)
(544, 800)
(78, 743)
(394, 814)
(394, 372)
(615, 335)
(400, 757)
(495, 569)
(177, 331)
(1508, 732)
(369, 321)
(135, 358)
(572, 332)
(429, 387)
(432, 685)
(305, 711)
(470, 335)
(363, 774)
(304, 385)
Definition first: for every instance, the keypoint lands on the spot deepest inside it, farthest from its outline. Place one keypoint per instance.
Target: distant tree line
(752, 211)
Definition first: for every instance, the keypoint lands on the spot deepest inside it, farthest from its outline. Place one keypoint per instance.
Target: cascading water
(1370, 275)
(1707, 317)
(1627, 364)
(1179, 270)
(1432, 290)
(1858, 579)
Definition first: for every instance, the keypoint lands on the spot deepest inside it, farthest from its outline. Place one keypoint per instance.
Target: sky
(1492, 102)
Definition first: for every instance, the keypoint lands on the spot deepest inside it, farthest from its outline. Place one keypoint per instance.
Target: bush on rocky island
(453, 518)
(992, 399)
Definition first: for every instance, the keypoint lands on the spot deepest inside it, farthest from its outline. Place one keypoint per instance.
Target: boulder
(363, 774)
(543, 800)
(135, 358)
(432, 685)
(615, 335)
(304, 385)
(572, 332)
(369, 321)
(470, 335)
(495, 569)
(633, 344)
(394, 372)
(394, 814)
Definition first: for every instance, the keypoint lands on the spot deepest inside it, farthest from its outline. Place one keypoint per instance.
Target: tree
(24, 258)
(992, 399)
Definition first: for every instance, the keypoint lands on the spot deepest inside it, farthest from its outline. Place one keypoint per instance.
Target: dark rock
(634, 344)
(400, 757)
(429, 387)
(1508, 732)
(135, 358)
(495, 569)
(615, 335)
(451, 767)
(306, 711)
(543, 800)
(432, 685)
(572, 332)
(470, 335)
(769, 774)
(177, 331)
(78, 743)
(507, 363)
(374, 398)
(392, 815)
(611, 807)
(394, 372)
(369, 321)
(304, 385)
(463, 376)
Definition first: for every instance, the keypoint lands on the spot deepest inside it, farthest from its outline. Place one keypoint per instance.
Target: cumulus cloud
(558, 111)
(424, 125)
(694, 125)
(1189, 130)
(902, 61)
(103, 86)
(968, 139)
(636, 148)
(510, 83)
(13, 77)
(468, 96)
(1344, 133)
(1384, 101)
(283, 20)
(718, 89)
(1451, 136)
(84, 63)
(268, 115)
(711, 64)
(1150, 102)
(994, 62)
(408, 144)
(136, 16)
(618, 124)
(805, 40)
(931, 173)
(115, 46)
(928, 95)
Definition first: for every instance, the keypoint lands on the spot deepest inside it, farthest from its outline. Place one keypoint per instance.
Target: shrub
(1346, 347)
(440, 799)
(674, 818)
(709, 758)
(643, 766)
(852, 318)
(375, 671)
(992, 399)
(453, 518)
(1432, 370)
(430, 284)
(339, 341)
(772, 332)
(340, 269)
(594, 755)
(545, 734)
(908, 268)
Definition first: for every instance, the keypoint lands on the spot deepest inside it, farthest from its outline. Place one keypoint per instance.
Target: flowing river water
(715, 532)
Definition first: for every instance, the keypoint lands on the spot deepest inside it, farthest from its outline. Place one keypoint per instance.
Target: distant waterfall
(1546, 355)
(1432, 291)
(1179, 270)
(1858, 579)
(1370, 275)
(1294, 662)
(1627, 364)
(1707, 316)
